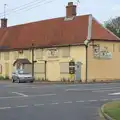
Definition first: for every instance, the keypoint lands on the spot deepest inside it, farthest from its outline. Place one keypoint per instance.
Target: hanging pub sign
(71, 63)
(71, 67)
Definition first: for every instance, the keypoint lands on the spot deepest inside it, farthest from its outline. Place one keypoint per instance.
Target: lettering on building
(101, 53)
(53, 52)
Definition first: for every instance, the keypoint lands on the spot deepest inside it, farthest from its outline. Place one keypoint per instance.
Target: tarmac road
(26, 101)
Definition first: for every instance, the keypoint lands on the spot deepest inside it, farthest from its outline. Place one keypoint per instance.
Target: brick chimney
(70, 10)
(3, 23)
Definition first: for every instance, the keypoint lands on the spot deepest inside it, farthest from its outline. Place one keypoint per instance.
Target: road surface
(26, 101)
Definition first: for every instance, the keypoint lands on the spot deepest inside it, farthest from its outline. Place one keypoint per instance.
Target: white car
(22, 76)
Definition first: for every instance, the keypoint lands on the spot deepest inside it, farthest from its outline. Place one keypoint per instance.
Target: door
(78, 71)
(7, 69)
(53, 71)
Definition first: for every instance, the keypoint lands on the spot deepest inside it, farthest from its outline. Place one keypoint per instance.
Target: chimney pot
(3, 23)
(70, 3)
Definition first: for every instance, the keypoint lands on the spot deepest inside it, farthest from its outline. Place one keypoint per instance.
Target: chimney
(3, 23)
(70, 10)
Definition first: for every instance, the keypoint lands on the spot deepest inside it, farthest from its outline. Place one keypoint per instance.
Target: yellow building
(53, 43)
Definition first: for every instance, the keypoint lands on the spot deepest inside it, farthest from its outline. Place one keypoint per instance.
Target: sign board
(102, 53)
(52, 52)
(71, 67)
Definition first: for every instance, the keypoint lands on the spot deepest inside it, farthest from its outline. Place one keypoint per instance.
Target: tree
(114, 26)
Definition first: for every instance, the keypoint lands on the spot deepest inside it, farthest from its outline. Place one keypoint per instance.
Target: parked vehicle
(22, 76)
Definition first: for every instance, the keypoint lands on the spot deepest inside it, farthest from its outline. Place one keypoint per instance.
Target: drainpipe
(86, 46)
(32, 60)
(86, 42)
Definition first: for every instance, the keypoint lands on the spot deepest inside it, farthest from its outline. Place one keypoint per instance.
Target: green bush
(2, 78)
(6, 78)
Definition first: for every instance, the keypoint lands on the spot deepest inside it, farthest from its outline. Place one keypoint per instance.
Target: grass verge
(112, 109)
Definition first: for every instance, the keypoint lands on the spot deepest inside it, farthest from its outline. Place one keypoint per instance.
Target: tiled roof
(101, 33)
(52, 32)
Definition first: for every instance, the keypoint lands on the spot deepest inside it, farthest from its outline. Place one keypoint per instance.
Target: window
(64, 67)
(65, 52)
(6, 55)
(39, 68)
(39, 53)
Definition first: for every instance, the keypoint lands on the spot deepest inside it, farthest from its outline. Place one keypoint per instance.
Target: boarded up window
(39, 54)
(39, 68)
(15, 54)
(6, 56)
(65, 52)
(64, 67)
(27, 54)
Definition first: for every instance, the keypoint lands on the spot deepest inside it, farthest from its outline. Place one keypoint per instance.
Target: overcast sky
(102, 10)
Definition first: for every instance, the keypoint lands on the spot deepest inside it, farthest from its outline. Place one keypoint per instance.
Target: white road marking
(22, 106)
(97, 89)
(92, 100)
(80, 101)
(20, 94)
(118, 93)
(42, 95)
(3, 108)
(68, 102)
(114, 99)
(55, 103)
(38, 104)
(104, 100)
(103, 91)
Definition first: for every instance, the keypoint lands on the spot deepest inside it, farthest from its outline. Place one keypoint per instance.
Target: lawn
(113, 109)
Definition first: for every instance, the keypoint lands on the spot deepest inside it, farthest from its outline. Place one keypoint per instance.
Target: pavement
(29, 101)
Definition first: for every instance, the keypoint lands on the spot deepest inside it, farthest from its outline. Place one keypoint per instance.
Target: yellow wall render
(76, 52)
(104, 69)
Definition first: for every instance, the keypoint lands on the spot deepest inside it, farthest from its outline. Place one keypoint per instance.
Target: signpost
(72, 69)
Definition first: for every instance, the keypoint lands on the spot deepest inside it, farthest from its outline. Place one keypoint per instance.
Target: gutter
(37, 47)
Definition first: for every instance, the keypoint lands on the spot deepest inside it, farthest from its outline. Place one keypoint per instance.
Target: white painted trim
(106, 29)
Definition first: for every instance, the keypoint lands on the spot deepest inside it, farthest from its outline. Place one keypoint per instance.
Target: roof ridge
(32, 22)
